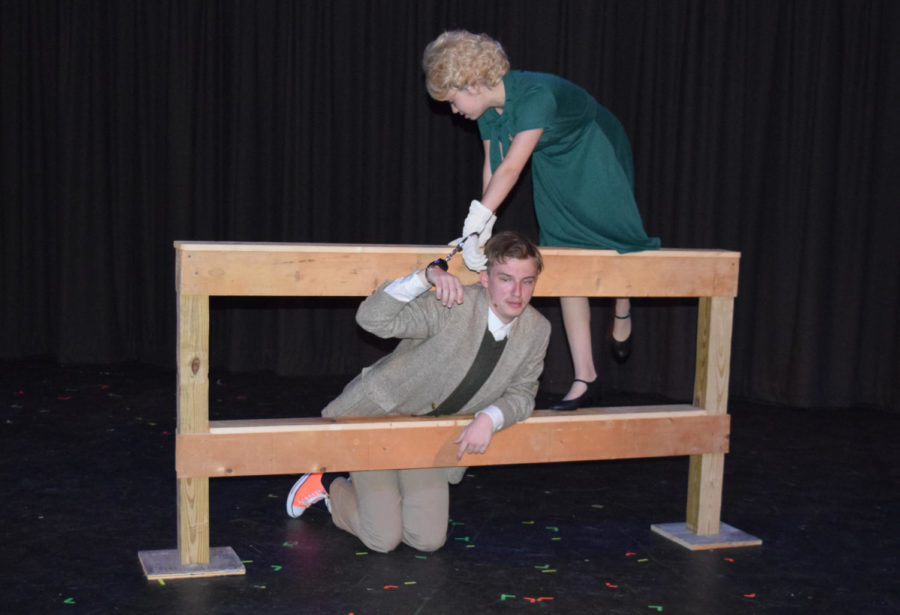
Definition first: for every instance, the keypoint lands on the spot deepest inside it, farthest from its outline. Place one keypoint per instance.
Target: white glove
(473, 256)
(480, 220)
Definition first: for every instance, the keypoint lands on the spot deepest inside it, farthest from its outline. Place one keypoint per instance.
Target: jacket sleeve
(387, 317)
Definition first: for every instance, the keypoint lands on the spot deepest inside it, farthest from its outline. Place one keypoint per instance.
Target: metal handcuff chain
(442, 262)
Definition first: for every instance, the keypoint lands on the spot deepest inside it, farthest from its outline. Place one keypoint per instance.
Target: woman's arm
(498, 185)
(486, 171)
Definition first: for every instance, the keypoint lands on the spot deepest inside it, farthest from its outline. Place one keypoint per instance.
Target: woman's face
(470, 102)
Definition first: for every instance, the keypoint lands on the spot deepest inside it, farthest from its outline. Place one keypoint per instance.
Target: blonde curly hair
(458, 59)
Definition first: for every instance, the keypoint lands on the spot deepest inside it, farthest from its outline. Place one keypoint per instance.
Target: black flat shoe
(567, 405)
(621, 350)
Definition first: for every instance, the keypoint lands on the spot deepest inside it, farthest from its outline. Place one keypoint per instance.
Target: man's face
(510, 286)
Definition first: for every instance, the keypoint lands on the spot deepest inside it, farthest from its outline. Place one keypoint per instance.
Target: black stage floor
(88, 481)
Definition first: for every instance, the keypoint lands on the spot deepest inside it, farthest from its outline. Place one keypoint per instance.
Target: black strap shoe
(621, 350)
(567, 405)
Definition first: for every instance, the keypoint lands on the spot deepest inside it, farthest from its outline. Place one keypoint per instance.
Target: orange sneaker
(306, 491)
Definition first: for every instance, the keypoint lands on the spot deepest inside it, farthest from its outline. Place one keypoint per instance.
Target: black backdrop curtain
(769, 127)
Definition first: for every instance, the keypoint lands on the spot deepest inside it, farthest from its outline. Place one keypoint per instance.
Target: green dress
(581, 169)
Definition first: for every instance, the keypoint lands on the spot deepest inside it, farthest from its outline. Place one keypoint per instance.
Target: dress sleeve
(535, 108)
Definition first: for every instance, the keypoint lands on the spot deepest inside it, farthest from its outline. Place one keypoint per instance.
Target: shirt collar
(497, 327)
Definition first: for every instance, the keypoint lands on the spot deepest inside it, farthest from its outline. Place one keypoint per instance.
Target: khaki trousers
(386, 507)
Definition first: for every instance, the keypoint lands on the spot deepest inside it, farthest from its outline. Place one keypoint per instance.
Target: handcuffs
(441, 263)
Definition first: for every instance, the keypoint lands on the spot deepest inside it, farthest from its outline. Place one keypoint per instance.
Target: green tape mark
(69, 601)
(362, 552)
(550, 570)
(644, 560)
(276, 567)
(552, 528)
(465, 538)
(421, 557)
(246, 561)
(505, 596)
(542, 566)
(161, 581)
(653, 606)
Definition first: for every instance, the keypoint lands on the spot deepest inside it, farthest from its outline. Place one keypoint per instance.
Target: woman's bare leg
(576, 314)
(621, 323)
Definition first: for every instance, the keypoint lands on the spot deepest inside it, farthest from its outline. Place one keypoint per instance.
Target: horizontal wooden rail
(296, 446)
(309, 269)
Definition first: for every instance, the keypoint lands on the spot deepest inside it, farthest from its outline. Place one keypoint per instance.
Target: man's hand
(447, 287)
(476, 437)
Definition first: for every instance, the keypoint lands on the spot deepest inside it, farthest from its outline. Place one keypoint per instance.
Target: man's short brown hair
(511, 244)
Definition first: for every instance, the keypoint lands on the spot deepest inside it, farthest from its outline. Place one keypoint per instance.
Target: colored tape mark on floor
(505, 596)
(276, 567)
(653, 606)
(608, 584)
(542, 566)
(69, 601)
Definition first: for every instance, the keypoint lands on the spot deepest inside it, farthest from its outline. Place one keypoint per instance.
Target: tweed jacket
(438, 346)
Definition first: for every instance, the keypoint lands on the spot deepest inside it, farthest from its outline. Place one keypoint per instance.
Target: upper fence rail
(351, 270)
